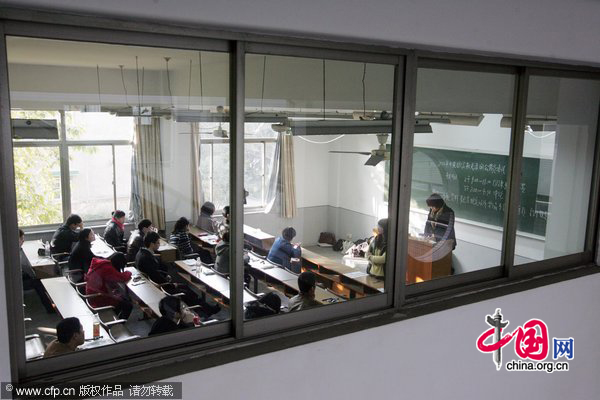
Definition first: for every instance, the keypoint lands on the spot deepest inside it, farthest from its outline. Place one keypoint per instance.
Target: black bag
(338, 245)
(327, 237)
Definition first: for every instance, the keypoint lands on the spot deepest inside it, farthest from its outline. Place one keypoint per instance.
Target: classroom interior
(146, 130)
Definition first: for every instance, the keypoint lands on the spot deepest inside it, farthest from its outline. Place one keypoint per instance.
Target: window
(258, 159)
(90, 171)
(332, 133)
(556, 175)
(459, 172)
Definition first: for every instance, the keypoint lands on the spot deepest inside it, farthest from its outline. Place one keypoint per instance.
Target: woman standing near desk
(377, 250)
(440, 221)
(283, 250)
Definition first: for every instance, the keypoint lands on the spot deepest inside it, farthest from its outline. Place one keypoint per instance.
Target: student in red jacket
(106, 277)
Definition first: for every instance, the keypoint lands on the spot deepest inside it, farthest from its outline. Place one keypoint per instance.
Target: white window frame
(63, 145)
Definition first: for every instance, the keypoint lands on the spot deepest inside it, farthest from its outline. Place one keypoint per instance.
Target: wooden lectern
(428, 260)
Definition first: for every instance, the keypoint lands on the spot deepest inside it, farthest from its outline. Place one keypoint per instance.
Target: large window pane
(459, 176)
(558, 157)
(37, 182)
(133, 119)
(324, 179)
(91, 173)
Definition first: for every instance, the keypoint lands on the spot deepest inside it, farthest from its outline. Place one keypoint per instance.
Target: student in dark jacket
(283, 250)
(30, 280)
(115, 231)
(146, 262)
(136, 240)
(174, 316)
(106, 277)
(440, 221)
(81, 256)
(180, 237)
(269, 304)
(66, 235)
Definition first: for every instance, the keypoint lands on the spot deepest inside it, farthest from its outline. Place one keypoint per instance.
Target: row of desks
(44, 266)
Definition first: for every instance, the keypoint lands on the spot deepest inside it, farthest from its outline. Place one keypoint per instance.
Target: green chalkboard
(475, 186)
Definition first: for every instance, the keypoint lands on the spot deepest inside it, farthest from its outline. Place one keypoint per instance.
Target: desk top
(210, 278)
(348, 272)
(101, 249)
(30, 247)
(145, 290)
(166, 246)
(69, 304)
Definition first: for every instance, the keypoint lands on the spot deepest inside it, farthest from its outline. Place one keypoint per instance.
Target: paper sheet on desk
(191, 263)
(355, 274)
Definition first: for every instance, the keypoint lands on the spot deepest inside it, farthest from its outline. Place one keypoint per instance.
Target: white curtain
(147, 189)
(281, 193)
(197, 194)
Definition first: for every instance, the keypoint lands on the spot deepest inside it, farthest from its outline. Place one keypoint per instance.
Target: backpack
(338, 245)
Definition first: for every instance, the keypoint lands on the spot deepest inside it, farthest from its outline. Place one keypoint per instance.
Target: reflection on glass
(560, 132)
(459, 172)
(128, 129)
(317, 151)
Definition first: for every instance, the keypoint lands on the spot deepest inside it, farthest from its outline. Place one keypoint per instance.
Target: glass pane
(253, 174)
(91, 175)
(37, 182)
(123, 176)
(558, 158)
(149, 108)
(325, 180)
(98, 126)
(206, 170)
(459, 173)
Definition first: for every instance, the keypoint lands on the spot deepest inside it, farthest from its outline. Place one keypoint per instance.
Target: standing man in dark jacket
(115, 231)
(136, 240)
(440, 221)
(66, 235)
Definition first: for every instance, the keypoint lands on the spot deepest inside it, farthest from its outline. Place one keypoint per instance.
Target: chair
(60, 261)
(119, 332)
(258, 255)
(74, 272)
(34, 347)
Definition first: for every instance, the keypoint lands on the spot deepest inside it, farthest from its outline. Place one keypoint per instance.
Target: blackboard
(474, 185)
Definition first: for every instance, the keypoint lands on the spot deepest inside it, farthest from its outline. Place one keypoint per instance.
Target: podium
(428, 260)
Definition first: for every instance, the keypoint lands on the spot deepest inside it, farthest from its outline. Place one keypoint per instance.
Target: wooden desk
(101, 249)
(342, 278)
(69, 304)
(287, 281)
(168, 252)
(43, 266)
(145, 291)
(253, 236)
(218, 285)
(428, 259)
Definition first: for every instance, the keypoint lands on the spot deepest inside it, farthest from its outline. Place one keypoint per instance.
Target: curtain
(147, 189)
(197, 194)
(281, 193)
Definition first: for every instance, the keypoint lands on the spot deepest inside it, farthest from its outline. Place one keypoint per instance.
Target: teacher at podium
(440, 221)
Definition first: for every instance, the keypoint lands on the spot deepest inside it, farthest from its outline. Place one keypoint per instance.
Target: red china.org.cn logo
(531, 343)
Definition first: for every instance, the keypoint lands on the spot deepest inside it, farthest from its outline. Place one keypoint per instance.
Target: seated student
(224, 224)
(174, 316)
(205, 219)
(81, 256)
(180, 237)
(107, 278)
(377, 250)
(283, 250)
(30, 280)
(222, 261)
(66, 235)
(69, 334)
(269, 304)
(149, 265)
(136, 240)
(306, 297)
(115, 230)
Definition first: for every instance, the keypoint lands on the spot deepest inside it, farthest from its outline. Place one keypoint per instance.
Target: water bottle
(47, 249)
(96, 330)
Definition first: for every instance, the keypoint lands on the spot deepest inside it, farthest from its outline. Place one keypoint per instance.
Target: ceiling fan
(376, 155)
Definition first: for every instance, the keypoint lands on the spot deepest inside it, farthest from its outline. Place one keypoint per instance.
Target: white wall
(430, 357)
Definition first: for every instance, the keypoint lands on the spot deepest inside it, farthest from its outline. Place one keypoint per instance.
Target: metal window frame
(52, 25)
